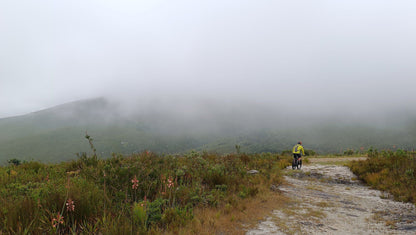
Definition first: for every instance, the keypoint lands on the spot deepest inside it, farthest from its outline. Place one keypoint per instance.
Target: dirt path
(327, 199)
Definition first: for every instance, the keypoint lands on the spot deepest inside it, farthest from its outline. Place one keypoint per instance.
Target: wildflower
(135, 183)
(70, 205)
(58, 220)
(170, 183)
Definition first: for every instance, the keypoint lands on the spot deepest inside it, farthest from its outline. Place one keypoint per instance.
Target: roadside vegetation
(141, 193)
(393, 172)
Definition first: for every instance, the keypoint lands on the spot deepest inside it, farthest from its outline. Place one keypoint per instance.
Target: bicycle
(297, 163)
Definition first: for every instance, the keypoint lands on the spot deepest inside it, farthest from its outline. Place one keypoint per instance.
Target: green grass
(138, 193)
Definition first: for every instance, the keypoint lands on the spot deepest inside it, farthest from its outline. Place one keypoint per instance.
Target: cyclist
(298, 151)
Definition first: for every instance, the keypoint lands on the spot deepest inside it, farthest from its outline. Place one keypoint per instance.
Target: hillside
(57, 134)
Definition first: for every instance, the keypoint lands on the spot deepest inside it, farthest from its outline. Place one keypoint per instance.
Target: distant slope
(57, 134)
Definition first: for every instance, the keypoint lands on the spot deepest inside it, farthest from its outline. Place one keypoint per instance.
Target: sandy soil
(327, 199)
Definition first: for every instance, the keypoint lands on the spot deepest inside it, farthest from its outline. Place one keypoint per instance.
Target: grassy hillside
(56, 134)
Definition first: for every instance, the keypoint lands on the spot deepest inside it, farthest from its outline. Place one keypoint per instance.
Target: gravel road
(327, 199)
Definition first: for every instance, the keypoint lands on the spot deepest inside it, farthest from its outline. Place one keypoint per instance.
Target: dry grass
(339, 161)
(314, 187)
(324, 204)
(318, 214)
(234, 220)
(393, 172)
(391, 224)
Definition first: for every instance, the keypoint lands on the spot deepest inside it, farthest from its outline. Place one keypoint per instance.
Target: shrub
(349, 152)
(14, 161)
(154, 211)
(390, 171)
(310, 152)
(139, 216)
(215, 175)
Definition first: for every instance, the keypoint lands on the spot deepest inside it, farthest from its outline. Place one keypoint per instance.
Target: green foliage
(389, 171)
(372, 152)
(349, 152)
(250, 191)
(310, 152)
(138, 193)
(14, 161)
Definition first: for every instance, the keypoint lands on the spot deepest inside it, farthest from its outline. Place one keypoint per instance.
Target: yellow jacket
(298, 148)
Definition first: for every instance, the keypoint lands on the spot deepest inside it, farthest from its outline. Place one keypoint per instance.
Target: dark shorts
(297, 155)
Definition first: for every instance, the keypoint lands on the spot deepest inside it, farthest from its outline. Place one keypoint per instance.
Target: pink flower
(70, 205)
(135, 183)
(58, 220)
(170, 183)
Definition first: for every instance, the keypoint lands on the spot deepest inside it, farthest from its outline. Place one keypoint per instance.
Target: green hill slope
(57, 134)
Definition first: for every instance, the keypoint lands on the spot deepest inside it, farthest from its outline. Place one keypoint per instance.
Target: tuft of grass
(323, 204)
(314, 187)
(391, 224)
(315, 214)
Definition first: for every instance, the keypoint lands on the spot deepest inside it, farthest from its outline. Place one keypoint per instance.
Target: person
(298, 151)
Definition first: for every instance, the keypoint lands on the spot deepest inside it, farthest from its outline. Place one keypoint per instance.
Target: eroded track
(327, 199)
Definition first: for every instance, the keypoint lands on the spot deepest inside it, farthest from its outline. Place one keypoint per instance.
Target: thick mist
(315, 60)
(181, 75)
(222, 117)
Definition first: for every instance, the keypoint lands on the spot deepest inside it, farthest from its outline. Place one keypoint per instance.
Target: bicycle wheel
(299, 164)
(294, 164)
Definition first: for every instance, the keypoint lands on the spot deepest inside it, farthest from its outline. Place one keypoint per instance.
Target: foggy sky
(315, 55)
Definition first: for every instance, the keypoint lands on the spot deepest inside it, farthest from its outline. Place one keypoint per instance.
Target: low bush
(389, 171)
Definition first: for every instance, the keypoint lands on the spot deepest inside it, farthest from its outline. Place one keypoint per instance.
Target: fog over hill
(345, 58)
(179, 126)
(205, 75)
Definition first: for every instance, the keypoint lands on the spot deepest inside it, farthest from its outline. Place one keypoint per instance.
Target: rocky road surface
(328, 199)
